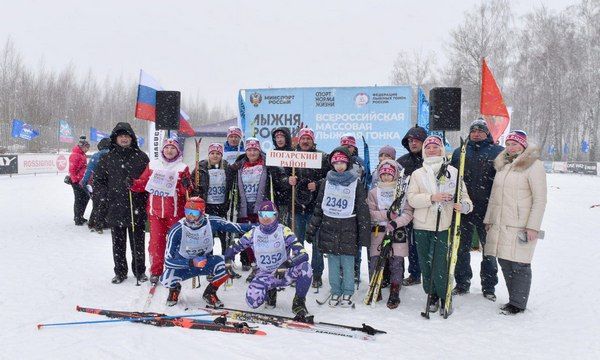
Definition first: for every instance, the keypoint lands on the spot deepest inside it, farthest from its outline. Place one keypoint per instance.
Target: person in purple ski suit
(272, 243)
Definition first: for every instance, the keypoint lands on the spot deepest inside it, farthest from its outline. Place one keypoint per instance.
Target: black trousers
(138, 251)
(98, 215)
(80, 203)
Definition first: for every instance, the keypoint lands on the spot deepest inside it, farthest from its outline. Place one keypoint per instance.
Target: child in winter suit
(380, 199)
(342, 218)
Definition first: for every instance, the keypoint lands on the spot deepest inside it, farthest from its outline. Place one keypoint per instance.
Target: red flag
(492, 105)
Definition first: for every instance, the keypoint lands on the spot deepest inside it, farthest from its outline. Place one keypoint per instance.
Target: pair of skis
(304, 324)
(161, 320)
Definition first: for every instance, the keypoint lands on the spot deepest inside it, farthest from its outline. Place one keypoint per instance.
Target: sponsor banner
(381, 114)
(8, 164)
(297, 159)
(587, 168)
(559, 167)
(43, 163)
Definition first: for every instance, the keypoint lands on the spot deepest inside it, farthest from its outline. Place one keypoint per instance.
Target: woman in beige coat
(514, 216)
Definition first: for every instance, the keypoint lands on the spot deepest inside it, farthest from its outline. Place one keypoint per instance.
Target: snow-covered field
(49, 266)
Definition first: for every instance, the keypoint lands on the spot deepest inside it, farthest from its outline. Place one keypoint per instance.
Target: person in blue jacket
(189, 251)
(478, 177)
(97, 220)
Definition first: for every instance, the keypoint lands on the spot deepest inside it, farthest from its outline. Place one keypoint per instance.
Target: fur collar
(522, 162)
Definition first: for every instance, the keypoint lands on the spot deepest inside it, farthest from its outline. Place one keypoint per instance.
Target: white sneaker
(346, 301)
(334, 300)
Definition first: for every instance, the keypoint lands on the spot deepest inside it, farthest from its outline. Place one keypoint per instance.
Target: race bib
(196, 242)
(231, 156)
(269, 250)
(251, 180)
(216, 186)
(338, 200)
(162, 183)
(385, 197)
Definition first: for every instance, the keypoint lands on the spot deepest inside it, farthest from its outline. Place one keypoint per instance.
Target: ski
(162, 320)
(308, 320)
(151, 292)
(292, 324)
(455, 241)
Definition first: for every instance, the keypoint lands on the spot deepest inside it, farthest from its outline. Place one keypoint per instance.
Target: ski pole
(435, 240)
(132, 238)
(131, 319)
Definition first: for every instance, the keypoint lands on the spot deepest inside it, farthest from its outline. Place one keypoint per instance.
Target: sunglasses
(268, 214)
(192, 212)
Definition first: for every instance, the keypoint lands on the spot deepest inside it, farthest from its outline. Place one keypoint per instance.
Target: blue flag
(22, 130)
(96, 135)
(65, 134)
(585, 146)
(423, 119)
(140, 141)
(367, 159)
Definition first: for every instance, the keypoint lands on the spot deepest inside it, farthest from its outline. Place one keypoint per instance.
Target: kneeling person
(272, 243)
(190, 251)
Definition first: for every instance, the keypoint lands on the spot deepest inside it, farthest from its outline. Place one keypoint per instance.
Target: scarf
(269, 229)
(510, 158)
(346, 178)
(432, 167)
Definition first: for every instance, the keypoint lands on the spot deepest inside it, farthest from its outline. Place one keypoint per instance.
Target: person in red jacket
(77, 167)
(168, 181)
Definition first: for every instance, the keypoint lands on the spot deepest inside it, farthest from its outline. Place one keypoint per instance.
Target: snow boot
(346, 301)
(317, 281)
(118, 279)
(434, 303)
(459, 291)
(173, 295)
(210, 296)
(510, 309)
(489, 296)
(142, 278)
(394, 299)
(410, 280)
(299, 307)
(271, 300)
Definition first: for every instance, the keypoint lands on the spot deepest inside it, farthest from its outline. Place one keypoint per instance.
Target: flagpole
(58, 138)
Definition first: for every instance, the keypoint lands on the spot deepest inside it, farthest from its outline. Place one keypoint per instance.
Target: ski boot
(154, 279)
(410, 280)
(334, 300)
(271, 300)
(346, 301)
(173, 295)
(210, 296)
(252, 274)
(299, 309)
(394, 299)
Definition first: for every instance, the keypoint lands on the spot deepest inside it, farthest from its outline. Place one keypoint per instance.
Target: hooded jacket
(103, 148)
(341, 236)
(517, 202)
(411, 162)
(479, 170)
(109, 179)
(77, 164)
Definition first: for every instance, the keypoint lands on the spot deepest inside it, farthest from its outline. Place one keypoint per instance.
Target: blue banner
(140, 141)
(22, 130)
(585, 146)
(381, 114)
(96, 135)
(65, 134)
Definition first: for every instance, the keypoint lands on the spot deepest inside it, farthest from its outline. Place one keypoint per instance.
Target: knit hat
(306, 132)
(348, 139)
(387, 169)
(388, 150)
(518, 136)
(479, 124)
(433, 139)
(195, 203)
(174, 143)
(267, 205)
(83, 141)
(215, 147)
(235, 131)
(339, 157)
(252, 143)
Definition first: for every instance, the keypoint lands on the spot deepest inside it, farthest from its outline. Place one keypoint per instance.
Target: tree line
(41, 97)
(546, 63)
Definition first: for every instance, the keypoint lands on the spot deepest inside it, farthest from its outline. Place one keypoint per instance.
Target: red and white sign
(296, 159)
(43, 163)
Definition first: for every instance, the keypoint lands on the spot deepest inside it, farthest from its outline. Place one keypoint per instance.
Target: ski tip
(77, 307)
(260, 333)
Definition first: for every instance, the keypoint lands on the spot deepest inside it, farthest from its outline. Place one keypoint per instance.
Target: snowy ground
(54, 266)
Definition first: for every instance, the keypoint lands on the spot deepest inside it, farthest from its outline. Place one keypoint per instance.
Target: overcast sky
(214, 48)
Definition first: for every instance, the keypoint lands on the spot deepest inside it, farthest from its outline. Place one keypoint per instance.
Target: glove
(282, 269)
(89, 188)
(186, 182)
(67, 180)
(128, 182)
(198, 261)
(391, 226)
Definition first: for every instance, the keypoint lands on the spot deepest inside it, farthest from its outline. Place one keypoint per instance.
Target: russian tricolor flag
(145, 108)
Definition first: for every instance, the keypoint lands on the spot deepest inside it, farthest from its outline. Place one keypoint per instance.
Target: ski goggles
(192, 212)
(267, 214)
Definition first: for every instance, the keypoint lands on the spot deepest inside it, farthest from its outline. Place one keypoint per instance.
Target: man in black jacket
(307, 186)
(478, 178)
(112, 178)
